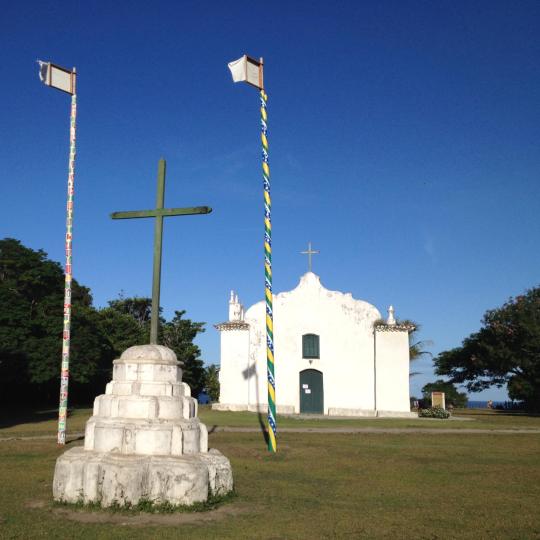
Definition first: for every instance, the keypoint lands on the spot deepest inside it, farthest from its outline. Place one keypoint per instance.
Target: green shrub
(433, 412)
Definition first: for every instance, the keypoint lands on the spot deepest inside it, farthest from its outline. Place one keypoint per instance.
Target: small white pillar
(391, 321)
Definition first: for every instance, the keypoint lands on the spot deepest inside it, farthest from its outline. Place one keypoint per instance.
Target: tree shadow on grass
(516, 413)
(30, 416)
(75, 440)
(502, 412)
(248, 373)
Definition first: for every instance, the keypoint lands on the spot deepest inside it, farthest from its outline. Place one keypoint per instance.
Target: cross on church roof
(309, 253)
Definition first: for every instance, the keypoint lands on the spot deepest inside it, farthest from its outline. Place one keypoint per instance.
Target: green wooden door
(311, 392)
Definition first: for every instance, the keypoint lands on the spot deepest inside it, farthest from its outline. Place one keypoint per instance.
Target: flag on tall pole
(249, 70)
(65, 80)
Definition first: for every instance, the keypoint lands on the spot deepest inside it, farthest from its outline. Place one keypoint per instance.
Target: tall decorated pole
(247, 69)
(66, 332)
(65, 80)
(272, 425)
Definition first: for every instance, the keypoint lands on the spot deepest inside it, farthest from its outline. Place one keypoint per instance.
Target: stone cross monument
(144, 440)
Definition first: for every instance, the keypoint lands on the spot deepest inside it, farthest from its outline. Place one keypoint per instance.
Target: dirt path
(349, 430)
(215, 429)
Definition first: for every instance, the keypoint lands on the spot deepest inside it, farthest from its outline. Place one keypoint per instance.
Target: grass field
(375, 485)
(37, 423)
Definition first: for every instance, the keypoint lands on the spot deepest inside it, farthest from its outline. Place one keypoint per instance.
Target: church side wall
(234, 370)
(392, 371)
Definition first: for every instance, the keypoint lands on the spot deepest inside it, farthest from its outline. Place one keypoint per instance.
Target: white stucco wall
(392, 370)
(234, 363)
(365, 372)
(345, 328)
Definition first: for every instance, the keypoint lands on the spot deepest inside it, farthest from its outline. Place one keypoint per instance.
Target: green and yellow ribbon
(272, 429)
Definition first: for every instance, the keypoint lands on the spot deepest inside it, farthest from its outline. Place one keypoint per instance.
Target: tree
(123, 326)
(212, 382)
(31, 320)
(416, 347)
(138, 308)
(451, 394)
(506, 350)
(126, 322)
(31, 314)
(178, 334)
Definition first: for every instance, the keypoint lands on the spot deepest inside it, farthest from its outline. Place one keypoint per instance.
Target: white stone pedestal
(144, 440)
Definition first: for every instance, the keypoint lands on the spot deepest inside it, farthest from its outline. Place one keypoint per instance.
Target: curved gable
(312, 306)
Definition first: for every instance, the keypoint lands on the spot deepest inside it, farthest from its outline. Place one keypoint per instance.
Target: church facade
(333, 355)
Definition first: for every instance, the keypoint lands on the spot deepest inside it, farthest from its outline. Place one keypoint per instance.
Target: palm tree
(416, 347)
(212, 382)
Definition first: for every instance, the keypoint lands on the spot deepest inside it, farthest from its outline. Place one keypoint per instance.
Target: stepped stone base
(107, 478)
(144, 440)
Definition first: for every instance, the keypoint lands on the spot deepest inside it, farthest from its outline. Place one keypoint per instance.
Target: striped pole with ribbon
(250, 70)
(65, 80)
(272, 427)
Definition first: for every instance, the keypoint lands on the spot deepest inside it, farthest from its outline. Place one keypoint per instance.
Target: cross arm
(162, 212)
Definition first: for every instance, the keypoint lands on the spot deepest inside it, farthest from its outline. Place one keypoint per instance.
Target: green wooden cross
(159, 213)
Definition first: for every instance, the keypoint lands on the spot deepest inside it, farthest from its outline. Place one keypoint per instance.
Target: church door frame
(311, 388)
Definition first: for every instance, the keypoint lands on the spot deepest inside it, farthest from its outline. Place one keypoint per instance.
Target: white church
(330, 357)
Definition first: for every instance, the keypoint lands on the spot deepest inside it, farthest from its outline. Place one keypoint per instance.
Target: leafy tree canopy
(506, 350)
(138, 308)
(178, 334)
(126, 322)
(31, 315)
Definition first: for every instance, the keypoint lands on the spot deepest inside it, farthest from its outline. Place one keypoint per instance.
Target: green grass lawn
(319, 486)
(374, 485)
(44, 422)
(462, 418)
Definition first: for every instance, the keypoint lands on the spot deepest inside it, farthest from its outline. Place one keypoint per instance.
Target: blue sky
(403, 144)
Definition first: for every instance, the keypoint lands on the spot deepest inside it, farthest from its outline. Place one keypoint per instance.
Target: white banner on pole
(247, 69)
(57, 77)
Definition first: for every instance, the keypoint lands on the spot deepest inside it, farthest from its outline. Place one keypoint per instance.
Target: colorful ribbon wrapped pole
(272, 428)
(249, 70)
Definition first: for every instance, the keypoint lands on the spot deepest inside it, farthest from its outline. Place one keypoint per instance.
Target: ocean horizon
(483, 404)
